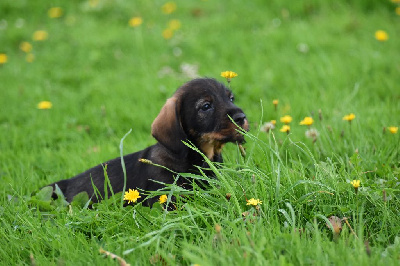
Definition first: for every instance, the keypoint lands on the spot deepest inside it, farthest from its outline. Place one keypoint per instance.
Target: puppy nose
(239, 118)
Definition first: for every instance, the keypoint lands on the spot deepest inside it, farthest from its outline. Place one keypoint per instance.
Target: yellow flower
(3, 58)
(286, 119)
(273, 122)
(55, 12)
(254, 202)
(174, 24)
(355, 183)
(132, 195)
(285, 128)
(275, 103)
(393, 130)
(228, 74)
(135, 21)
(349, 117)
(398, 10)
(163, 199)
(381, 35)
(70, 20)
(142, 160)
(93, 3)
(30, 58)
(168, 7)
(44, 105)
(167, 34)
(307, 121)
(40, 35)
(26, 47)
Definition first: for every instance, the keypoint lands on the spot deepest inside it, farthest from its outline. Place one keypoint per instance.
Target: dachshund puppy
(200, 112)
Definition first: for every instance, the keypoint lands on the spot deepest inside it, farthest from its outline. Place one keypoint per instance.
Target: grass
(104, 77)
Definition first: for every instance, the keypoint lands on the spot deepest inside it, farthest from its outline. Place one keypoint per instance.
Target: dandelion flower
(275, 103)
(286, 119)
(168, 8)
(355, 183)
(44, 105)
(312, 134)
(349, 117)
(254, 202)
(70, 20)
(132, 195)
(229, 75)
(218, 228)
(174, 24)
(3, 59)
(163, 199)
(26, 47)
(393, 130)
(40, 35)
(381, 35)
(268, 126)
(285, 128)
(307, 121)
(135, 21)
(30, 58)
(167, 33)
(93, 3)
(55, 12)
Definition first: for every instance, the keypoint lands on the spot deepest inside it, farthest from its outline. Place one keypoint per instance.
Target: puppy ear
(167, 127)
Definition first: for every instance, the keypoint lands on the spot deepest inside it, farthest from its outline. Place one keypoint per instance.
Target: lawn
(77, 76)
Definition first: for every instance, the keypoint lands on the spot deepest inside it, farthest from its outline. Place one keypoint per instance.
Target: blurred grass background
(104, 76)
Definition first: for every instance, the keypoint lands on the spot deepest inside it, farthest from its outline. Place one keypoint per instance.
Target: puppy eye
(206, 107)
(232, 99)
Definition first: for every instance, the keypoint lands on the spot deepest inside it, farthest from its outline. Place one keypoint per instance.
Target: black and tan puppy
(200, 112)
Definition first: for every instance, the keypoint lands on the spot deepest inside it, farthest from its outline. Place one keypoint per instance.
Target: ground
(76, 76)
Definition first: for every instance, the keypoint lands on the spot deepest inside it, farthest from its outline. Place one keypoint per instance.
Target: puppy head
(200, 111)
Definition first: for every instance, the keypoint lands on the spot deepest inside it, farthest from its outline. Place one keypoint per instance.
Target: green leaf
(58, 192)
(42, 205)
(81, 200)
(60, 201)
(44, 194)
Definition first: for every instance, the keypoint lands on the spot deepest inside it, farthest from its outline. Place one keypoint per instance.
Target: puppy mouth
(231, 133)
(238, 135)
(211, 143)
(238, 138)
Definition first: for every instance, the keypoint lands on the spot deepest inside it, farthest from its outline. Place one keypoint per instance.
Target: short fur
(200, 112)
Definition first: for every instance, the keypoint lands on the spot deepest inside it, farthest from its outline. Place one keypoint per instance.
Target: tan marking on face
(212, 136)
(246, 125)
(210, 149)
(210, 144)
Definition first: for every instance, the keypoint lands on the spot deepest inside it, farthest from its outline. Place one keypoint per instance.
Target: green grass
(104, 78)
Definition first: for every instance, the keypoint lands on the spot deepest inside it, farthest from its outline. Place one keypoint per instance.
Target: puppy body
(200, 112)
(139, 175)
